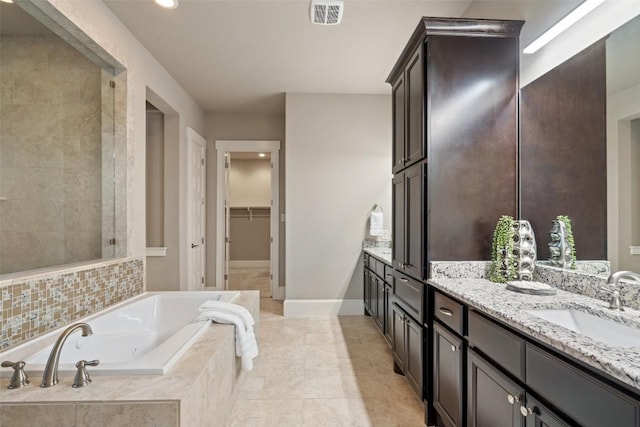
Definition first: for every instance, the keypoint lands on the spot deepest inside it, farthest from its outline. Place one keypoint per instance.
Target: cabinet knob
(512, 399)
(453, 348)
(526, 411)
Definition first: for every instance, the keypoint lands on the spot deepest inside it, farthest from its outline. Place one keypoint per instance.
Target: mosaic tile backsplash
(38, 305)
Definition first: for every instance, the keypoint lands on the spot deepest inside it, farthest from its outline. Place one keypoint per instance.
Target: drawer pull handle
(453, 348)
(526, 411)
(446, 311)
(402, 279)
(513, 399)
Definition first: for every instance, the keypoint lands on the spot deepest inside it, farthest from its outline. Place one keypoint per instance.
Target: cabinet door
(414, 87)
(414, 220)
(398, 252)
(399, 141)
(388, 315)
(379, 303)
(397, 331)
(414, 350)
(366, 293)
(492, 399)
(540, 416)
(448, 376)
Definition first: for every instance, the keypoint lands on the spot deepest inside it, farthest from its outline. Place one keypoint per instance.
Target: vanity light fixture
(574, 16)
(262, 155)
(168, 4)
(7, 1)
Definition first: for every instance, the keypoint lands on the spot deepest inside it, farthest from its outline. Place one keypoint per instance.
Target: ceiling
(243, 55)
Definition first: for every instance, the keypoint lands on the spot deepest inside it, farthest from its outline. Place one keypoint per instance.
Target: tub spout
(50, 376)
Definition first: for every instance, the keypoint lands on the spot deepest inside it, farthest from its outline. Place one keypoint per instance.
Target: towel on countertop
(376, 223)
(246, 344)
(227, 307)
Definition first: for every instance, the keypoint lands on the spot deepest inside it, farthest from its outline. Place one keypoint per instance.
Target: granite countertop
(383, 254)
(495, 300)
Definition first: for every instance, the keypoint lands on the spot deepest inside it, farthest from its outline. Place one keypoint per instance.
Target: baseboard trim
(250, 264)
(323, 307)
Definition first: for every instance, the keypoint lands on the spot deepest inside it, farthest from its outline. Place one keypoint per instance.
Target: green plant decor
(567, 225)
(503, 264)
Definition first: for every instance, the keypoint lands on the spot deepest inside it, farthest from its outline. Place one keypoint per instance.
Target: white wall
(338, 164)
(144, 71)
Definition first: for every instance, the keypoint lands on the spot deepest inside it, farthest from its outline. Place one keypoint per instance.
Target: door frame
(263, 146)
(194, 137)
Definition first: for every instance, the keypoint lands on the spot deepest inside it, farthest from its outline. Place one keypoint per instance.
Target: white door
(227, 220)
(196, 155)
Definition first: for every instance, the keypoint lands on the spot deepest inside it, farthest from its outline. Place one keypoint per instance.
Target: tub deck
(201, 383)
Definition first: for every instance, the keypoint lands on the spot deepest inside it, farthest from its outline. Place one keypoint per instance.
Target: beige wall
(231, 126)
(155, 179)
(50, 154)
(250, 182)
(337, 168)
(144, 73)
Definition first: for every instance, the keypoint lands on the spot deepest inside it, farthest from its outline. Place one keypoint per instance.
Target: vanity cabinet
(508, 378)
(377, 294)
(448, 376)
(408, 348)
(493, 399)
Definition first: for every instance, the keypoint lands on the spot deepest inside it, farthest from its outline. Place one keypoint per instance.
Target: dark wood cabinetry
(455, 106)
(376, 293)
(408, 348)
(408, 220)
(540, 416)
(448, 376)
(493, 400)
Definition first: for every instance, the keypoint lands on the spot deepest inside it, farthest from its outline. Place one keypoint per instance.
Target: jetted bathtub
(144, 336)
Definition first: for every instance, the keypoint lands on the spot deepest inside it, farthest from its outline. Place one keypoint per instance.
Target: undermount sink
(604, 330)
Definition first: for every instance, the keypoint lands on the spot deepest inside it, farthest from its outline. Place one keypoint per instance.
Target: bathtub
(144, 336)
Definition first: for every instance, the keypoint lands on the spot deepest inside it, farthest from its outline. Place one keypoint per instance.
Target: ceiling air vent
(326, 12)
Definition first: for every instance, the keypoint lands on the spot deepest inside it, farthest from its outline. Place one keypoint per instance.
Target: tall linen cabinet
(455, 154)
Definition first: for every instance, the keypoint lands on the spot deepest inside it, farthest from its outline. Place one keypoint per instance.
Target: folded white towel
(376, 223)
(246, 344)
(227, 307)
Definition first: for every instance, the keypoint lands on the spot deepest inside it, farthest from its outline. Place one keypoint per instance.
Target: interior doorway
(248, 217)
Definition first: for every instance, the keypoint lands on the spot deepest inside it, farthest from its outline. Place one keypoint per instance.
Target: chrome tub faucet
(50, 376)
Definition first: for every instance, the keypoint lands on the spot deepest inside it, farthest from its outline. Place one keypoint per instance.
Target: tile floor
(250, 279)
(323, 371)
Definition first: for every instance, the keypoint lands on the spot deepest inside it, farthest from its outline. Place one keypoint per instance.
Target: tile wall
(39, 304)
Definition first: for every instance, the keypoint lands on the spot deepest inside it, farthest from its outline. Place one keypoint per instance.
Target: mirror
(580, 149)
(61, 152)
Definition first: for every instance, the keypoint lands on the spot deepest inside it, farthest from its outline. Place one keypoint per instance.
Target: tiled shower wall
(51, 154)
(35, 306)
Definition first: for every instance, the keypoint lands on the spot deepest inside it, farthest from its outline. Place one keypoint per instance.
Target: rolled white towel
(246, 344)
(227, 307)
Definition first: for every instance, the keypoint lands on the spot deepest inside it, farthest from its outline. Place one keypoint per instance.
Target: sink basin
(604, 330)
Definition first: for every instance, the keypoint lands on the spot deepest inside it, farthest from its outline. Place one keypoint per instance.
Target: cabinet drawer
(450, 312)
(409, 294)
(502, 346)
(380, 266)
(366, 259)
(587, 400)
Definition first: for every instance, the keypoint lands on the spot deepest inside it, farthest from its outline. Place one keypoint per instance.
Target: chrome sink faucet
(616, 303)
(50, 376)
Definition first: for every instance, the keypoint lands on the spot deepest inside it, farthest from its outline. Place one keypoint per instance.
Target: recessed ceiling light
(574, 16)
(262, 155)
(169, 4)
